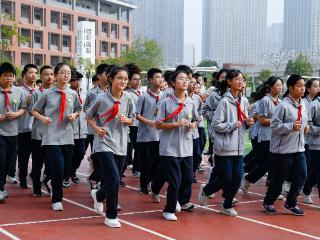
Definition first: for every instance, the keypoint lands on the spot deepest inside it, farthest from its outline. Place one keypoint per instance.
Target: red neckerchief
(175, 112)
(7, 99)
(31, 90)
(151, 94)
(62, 106)
(241, 115)
(112, 112)
(41, 88)
(299, 108)
(138, 93)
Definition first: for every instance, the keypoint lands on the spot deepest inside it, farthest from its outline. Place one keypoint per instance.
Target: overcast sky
(193, 21)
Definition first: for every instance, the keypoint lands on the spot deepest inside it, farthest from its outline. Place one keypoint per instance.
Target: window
(55, 17)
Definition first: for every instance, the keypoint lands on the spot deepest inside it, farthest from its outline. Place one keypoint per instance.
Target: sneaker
(98, 206)
(201, 170)
(6, 194)
(66, 183)
(202, 197)
(294, 210)
(57, 206)
(11, 180)
(229, 211)
(155, 197)
(280, 197)
(245, 185)
(23, 185)
(286, 187)
(144, 190)
(306, 198)
(113, 223)
(269, 209)
(75, 179)
(135, 174)
(37, 193)
(119, 208)
(235, 201)
(170, 216)
(212, 196)
(130, 166)
(2, 197)
(48, 186)
(187, 207)
(178, 207)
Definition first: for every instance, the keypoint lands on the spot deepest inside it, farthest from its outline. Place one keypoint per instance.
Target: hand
(239, 124)
(250, 121)
(101, 131)
(124, 119)
(46, 121)
(192, 126)
(307, 129)
(151, 124)
(297, 126)
(11, 115)
(2, 117)
(72, 117)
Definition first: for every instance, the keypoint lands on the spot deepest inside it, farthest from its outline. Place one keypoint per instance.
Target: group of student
(161, 132)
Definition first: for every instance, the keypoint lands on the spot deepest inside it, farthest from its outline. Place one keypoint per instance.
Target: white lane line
(48, 221)
(244, 202)
(8, 234)
(133, 213)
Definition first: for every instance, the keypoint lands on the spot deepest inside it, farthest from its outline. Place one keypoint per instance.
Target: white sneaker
(229, 211)
(245, 185)
(286, 187)
(178, 207)
(280, 197)
(98, 206)
(57, 206)
(119, 208)
(2, 197)
(187, 207)
(235, 201)
(212, 196)
(113, 223)
(202, 197)
(155, 197)
(6, 194)
(11, 180)
(170, 216)
(306, 198)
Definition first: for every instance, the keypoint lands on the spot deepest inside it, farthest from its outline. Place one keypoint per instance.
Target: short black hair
(95, 78)
(101, 68)
(38, 81)
(44, 68)
(75, 75)
(184, 68)
(167, 76)
(27, 67)
(152, 71)
(7, 68)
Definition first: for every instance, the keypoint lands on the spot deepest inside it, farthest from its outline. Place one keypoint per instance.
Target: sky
(193, 22)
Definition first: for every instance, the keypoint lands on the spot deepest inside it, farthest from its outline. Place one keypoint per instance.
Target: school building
(51, 28)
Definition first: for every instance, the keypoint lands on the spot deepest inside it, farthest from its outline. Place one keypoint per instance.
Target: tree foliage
(265, 74)
(300, 65)
(207, 63)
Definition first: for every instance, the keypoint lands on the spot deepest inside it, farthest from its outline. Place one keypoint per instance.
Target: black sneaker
(66, 183)
(75, 179)
(37, 193)
(294, 210)
(269, 209)
(23, 185)
(144, 190)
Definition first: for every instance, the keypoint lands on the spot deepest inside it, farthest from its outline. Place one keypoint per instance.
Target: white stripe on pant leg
(8, 234)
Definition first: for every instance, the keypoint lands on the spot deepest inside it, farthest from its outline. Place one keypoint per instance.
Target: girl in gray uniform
(269, 99)
(113, 112)
(177, 120)
(12, 107)
(58, 136)
(288, 125)
(229, 126)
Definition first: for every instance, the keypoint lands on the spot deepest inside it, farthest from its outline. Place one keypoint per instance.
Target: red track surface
(23, 216)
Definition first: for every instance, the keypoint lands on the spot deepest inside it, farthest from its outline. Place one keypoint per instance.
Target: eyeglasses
(122, 79)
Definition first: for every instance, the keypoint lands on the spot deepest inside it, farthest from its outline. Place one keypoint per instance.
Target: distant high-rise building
(161, 20)
(301, 25)
(234, 30)
(275, 38)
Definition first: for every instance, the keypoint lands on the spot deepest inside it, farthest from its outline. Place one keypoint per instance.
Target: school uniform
(24, 137)
(201, 128)
(80, 138)
(176, 149)
(229, 142)
(11, 101)
(111, 149)
(267, 106)
(307, 101)
(135, 161)
(38, 151)
(313, 177)
(287, 148)
(58, 136)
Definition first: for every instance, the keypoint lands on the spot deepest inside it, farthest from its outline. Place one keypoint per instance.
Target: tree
(10, 36)
(207, 63)
(301, 66)
(265, 74)
(145, 53)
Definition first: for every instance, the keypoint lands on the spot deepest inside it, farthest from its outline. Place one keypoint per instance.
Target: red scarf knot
(240, 113)
(112, 112)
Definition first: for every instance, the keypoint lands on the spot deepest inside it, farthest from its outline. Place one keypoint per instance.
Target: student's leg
(37, 163)
(111, 178)
(3, 162)
(145, 161)
(281, 165)
(159, 178)
(197, 156)
(216, 180)
(136, 155)
(155, 160)
(185, 190)
(79, 151)
(24, 151)
(299, 170)
(202, 138)
(313, 172)
(230, 190)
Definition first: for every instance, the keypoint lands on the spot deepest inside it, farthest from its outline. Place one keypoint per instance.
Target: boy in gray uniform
(29, 75)
(38, 152)
(12, 106)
